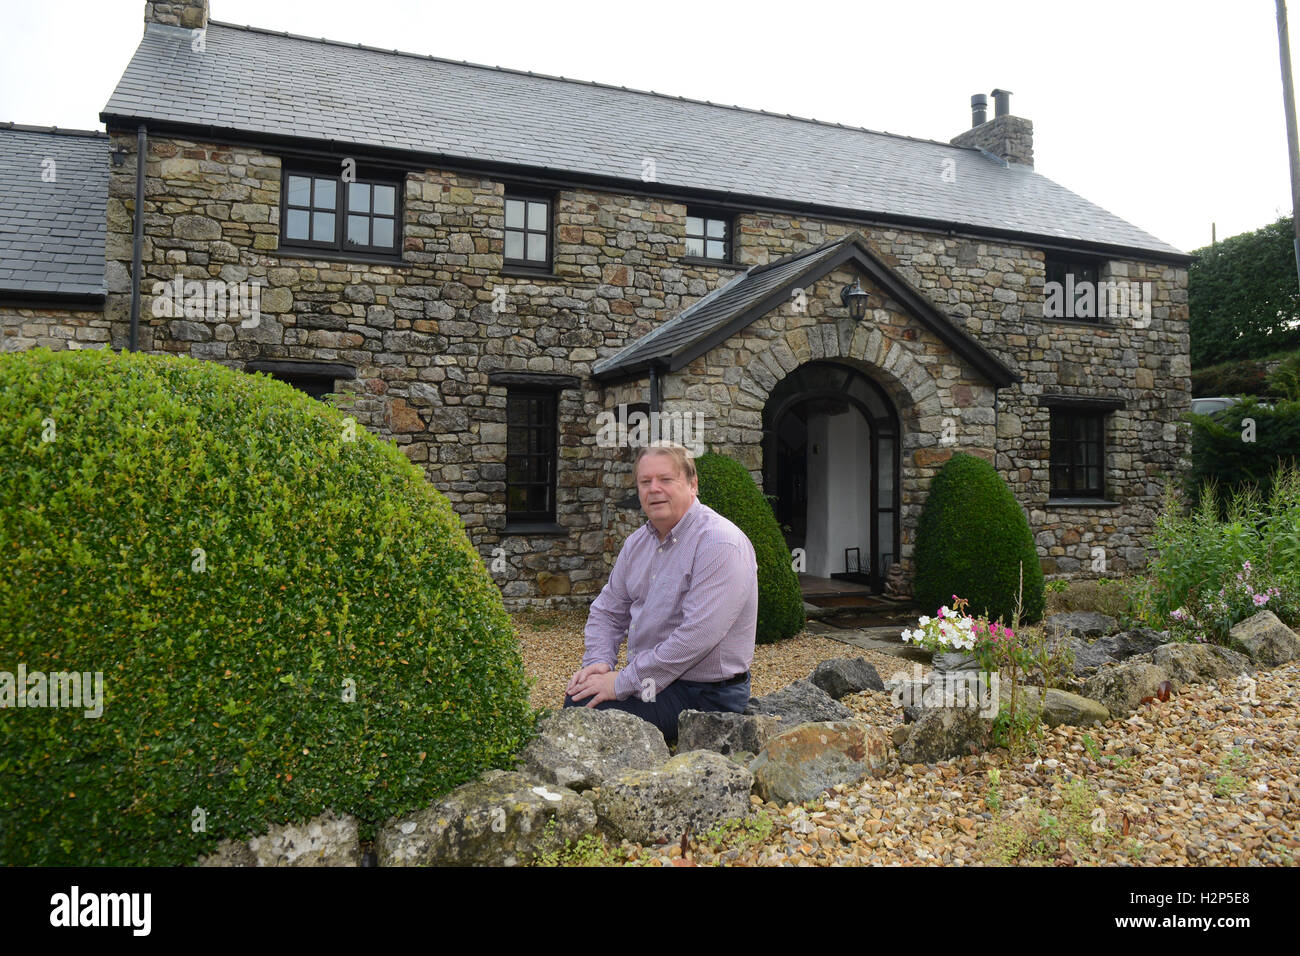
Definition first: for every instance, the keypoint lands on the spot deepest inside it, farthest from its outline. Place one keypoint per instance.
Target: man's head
(666, 483)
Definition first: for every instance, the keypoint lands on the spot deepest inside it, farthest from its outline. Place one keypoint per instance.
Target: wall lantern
(855, 300)
(119, 156)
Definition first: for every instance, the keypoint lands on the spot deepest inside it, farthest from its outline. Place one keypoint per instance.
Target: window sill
(717, 263)
(327, 255)
(1079, 323)
(1081, 503)
(519, 272)
(534, 527)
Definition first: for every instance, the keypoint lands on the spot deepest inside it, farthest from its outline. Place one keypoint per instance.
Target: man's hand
(600, 667)
(599, 687)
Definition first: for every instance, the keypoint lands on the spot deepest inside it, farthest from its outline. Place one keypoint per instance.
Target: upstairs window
(528, 231)
(1071, 289)
(325, 213)
(708, 235)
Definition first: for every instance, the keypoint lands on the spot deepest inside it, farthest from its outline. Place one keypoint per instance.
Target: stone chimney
(191, 14)
(1005, 136)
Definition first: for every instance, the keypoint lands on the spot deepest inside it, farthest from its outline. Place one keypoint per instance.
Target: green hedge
(970, 541)
(727, 488)
(1222, 455)
(329, 563)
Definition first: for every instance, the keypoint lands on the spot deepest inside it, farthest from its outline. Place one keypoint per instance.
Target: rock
(1199, 663)
(1062, 707)
(326, 840)
(1089, 655)
(1122, 687)
(900, 733)
(725, 733)
(501, 819)
(1266, 640)
(955, 661)
(697, 789)
(799, 703)
(580, 747)
(813, 612)
(846, 675)
(944, 732)
(799, 764)
(1082, 624)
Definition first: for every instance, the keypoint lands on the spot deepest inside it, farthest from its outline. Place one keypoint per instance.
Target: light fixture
(119, 156)
(855, 300)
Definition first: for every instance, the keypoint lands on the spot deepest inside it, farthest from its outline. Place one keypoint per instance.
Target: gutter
(137, 245)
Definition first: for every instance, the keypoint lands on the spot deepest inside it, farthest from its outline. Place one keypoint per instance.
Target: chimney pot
(979, 109)
(1001, 103)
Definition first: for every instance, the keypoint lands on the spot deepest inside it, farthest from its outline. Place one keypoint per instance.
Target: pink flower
(1260, 600)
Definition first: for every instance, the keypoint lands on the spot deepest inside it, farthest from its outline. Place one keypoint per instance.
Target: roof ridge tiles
(56, 130)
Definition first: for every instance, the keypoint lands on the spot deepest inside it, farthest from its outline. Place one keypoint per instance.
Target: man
(684, 592)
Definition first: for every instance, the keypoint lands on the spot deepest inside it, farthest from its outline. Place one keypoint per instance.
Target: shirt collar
(682, 524)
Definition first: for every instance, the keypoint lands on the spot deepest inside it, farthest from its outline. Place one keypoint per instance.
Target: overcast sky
(1166, 112)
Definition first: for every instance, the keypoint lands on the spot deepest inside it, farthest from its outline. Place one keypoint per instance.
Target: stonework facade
(426, 336)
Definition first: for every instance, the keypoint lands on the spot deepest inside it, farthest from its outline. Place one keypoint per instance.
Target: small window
(323, 212)
(528, 231)
(708, 235)
(530, 455)
(1078, 453)
(1071, 289)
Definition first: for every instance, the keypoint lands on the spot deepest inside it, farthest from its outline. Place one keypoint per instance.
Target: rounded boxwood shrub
(971, 540)
(287, 616)
(727, 488)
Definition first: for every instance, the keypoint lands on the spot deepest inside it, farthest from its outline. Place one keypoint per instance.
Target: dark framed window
(321, 211)
(708, 234)
(531, 454)
(317, 379)
(1063, 296)
(528, 231)
(1078, 454)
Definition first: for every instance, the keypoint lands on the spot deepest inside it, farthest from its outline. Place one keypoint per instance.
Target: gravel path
(1206, 778)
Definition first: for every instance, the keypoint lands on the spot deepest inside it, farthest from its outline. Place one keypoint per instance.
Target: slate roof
(52, 233)
(725, 311)
(278, 84)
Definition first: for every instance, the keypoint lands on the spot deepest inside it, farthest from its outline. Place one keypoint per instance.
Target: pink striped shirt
(687, 604)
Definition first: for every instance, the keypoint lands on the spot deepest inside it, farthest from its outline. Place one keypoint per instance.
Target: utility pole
(1288, 99)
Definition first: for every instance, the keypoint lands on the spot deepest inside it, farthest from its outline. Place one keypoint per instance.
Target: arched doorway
(830, 467)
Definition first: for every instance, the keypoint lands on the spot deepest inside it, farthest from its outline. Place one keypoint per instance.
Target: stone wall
(57, 329)
(426, 334)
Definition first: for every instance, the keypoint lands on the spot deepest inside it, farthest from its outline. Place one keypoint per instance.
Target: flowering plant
(953, 630)
(1214, 614)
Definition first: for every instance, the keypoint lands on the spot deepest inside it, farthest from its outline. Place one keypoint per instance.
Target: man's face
(664, 491)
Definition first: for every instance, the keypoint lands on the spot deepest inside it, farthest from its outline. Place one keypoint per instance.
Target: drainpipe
(654, 387)
(137, 246)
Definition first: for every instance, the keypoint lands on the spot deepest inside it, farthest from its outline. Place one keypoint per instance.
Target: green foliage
(1243, 296)
(1035, 835)
(325, 563)
(1237, 377)
(1214, 560)
(972, 540)
(727, 488)
(1285, 379)
(1222, 453)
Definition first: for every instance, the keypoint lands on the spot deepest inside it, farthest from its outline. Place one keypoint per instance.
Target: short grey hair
(682, 458)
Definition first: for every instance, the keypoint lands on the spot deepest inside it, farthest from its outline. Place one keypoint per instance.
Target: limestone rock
(501, 819)
(944, 732)
(725, 733)
(799, 703)
(1084, 624)
(697, 789)
(1122, 687)
(846, 675)
(1199, 663)
(799, 764)
(326, 840)
(1266, 640)
(1061, 706)
(581, 748)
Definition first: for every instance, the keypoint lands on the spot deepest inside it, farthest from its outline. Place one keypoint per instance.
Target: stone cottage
(514, 275)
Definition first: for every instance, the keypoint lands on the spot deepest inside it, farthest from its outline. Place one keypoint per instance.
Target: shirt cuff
(625, 684)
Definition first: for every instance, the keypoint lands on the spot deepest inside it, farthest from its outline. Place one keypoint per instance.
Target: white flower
(907, 635)
(924, 620)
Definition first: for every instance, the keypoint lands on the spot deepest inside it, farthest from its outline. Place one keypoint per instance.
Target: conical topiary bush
(727, 488)
(971, 541)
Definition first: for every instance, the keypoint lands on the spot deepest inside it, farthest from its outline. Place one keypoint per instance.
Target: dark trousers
(678, 696)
